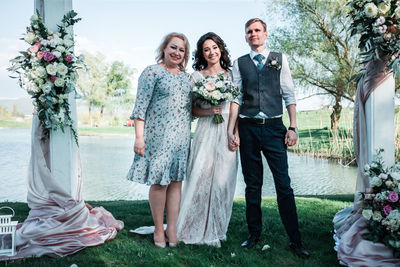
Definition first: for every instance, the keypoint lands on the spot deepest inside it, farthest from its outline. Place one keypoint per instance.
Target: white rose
(44, 42)
(68, 42)
(377, 216)
(30, 37)
(397, 12)
(57, 54)
(46, 88)
(274, 62)
(367, 214)
(376, 181)
(384, 8)
(60, 48)
(34, 17)
(40, 82)
(51, 69)
(216, 95)
(62, 69)
(366, 167)
(370, 10)
(59, 82)
(383, 176)
(219, 84)
(41, 72)
(229, 96)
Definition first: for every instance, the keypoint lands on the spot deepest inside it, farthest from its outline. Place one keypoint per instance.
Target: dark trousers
(267, 138)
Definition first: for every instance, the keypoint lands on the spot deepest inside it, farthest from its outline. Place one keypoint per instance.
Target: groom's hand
(233, 142)
(290, 138)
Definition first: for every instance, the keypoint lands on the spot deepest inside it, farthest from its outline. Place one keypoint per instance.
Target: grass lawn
(315, 218)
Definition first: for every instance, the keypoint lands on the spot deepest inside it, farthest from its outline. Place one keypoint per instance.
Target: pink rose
(39, 54)
(33, 49)
(39, 45)
(393, 196)
(68, 58)
(209, 86)
(53, 78)
(368, 196)
(387, 209)
(368, 190)
(48, 56)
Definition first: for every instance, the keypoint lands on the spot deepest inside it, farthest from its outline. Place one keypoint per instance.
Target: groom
(264, 78)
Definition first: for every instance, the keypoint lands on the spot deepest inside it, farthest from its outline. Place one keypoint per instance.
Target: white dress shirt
(287, 87)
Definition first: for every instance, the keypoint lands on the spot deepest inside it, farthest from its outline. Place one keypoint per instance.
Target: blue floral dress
(163, 101)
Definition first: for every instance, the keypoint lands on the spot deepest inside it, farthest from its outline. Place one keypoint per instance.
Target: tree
(323, 57)
(92, 81)
(118, 81)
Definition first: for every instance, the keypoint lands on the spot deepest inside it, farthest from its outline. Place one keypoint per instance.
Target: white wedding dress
(209, 188)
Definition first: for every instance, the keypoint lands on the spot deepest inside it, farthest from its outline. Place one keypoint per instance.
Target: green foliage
(316, 38)
(128, 249)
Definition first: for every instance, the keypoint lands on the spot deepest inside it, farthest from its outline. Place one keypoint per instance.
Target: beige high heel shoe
(170, 244)
(159, 244)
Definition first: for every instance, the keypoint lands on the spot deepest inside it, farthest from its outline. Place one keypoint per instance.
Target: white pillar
(379, 111)
(63, 150)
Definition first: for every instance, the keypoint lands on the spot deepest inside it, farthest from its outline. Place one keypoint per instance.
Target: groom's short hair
(251, 21)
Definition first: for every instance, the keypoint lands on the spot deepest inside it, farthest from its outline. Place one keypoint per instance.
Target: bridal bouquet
(378, 24)
(215, 90)
(381, 206)
(47, 71)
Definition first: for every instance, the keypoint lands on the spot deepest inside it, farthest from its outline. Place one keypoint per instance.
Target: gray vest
(261, 88)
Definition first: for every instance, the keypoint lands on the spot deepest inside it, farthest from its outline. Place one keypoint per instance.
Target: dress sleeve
(146, 84)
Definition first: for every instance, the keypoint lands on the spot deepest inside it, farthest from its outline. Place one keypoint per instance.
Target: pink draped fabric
(58, 224)
(350, 225)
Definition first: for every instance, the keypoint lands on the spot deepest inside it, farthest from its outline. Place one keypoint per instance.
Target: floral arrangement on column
(47, 71)
(378, 24)
(381, 205)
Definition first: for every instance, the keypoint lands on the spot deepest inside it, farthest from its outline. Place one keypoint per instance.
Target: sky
(131, 30)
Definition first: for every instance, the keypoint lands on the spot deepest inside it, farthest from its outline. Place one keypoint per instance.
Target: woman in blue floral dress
(162, 117)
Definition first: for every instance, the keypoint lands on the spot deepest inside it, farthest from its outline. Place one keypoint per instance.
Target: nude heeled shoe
(170, 244)
(159, 244)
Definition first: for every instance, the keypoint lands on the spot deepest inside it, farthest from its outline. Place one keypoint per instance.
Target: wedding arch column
(379, 111)
(63, 149)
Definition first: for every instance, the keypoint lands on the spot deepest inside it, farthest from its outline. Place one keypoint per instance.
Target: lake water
(107, 159)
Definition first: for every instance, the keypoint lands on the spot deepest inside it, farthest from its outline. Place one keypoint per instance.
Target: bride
(208, 192)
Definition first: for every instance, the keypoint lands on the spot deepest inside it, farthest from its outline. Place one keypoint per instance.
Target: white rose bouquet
(47, 71)
(215, 90)
(377, 23)
(381, 206)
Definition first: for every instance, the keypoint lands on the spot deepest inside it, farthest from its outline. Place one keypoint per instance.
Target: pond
(107, 159)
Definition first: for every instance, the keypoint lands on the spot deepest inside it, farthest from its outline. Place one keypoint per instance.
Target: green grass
(315, 219)
(15, 124)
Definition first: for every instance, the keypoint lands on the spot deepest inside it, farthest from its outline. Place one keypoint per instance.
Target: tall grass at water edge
(318, 140)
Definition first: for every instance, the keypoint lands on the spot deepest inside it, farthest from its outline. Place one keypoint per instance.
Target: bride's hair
(200, 63)
(160, 50)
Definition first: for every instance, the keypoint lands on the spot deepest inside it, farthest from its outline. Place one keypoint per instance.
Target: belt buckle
(261, 121)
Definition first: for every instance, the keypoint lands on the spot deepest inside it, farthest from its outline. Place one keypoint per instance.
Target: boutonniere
(274, 63)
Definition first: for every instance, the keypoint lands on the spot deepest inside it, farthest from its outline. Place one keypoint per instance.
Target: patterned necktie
(259, 58)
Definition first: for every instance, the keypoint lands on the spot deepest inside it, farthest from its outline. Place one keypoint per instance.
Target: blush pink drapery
(58, 224)
(350, 225)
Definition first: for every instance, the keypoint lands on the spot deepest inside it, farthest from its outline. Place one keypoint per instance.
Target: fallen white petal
(265, 247)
